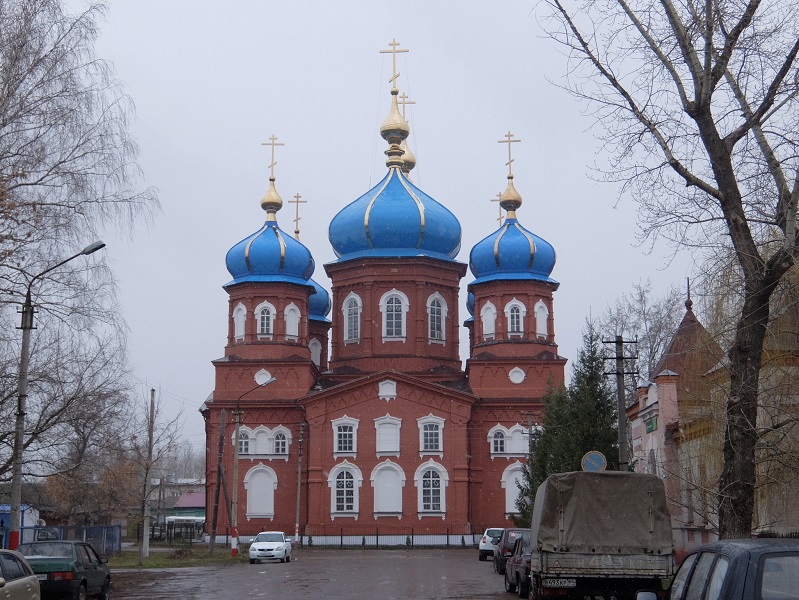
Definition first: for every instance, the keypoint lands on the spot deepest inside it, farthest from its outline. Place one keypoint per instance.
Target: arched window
(488, 315)
(511, 478)
(260, 483)
(352, 318)
(316, 351)
(436, 318)
(244, 442)
(280, 444)
(431, 491)
(499, 443)
(265, 316)
(345, 436)
(541, 316)
(344, 481)
(394, 306)
(239, 319)
(515, 312)
(388, 479)
(431, 481)
(431, 430)
(292, 317)
(345, 492)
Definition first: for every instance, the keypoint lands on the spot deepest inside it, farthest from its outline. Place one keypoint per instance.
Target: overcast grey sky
(212, 81)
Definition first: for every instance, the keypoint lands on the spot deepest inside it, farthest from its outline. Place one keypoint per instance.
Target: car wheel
(105, 592)
(80, 593)
(509, 586)
(523, 589)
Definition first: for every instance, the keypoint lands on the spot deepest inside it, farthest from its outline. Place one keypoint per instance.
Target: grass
(178, 556)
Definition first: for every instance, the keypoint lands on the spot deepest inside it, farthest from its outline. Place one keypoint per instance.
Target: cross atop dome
(511, 200)
(395, 128)
(272, 202)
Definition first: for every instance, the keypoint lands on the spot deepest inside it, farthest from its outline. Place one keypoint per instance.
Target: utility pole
(299, 488)
(212, 538)
(145, 537)
(234, 508)
(621, 407)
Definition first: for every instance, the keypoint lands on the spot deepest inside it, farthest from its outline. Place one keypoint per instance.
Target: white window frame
(352, 334)
(345, 421)
(443, 478)
(513, 472)
(404, 307)
(522, 315)
(292, 316)
(257, 496)
(431, 420)
(244, 442)
(488, 317)
(239, 322)
(443, 310)
(332, 480)
(517, 441)
(381, 446)
(541, 312)
(273, 319)
(262, 442)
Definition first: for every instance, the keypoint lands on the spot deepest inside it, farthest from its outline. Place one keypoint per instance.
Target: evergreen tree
(575, 421)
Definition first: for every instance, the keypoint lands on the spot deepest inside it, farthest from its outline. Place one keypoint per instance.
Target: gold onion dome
(394, 130)
(408, 159)
(271, 202)
(511, 200)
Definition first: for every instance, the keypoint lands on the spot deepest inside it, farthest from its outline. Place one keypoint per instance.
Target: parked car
(270, 544)
(517, 567)
(68, 568)
(765, 569)
(17, 579)
(504, 547)
(488, 542)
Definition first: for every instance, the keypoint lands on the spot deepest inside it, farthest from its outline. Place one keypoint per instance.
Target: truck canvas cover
(604, 512)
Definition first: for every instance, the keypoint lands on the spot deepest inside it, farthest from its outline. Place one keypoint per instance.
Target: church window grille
(280, 444)
(431, 491)
(345, 492)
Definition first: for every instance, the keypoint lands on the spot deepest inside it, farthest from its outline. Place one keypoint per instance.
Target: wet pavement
(317, 573)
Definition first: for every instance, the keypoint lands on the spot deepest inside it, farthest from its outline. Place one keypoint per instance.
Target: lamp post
(299, 476)
(262, 379)
(22, 396)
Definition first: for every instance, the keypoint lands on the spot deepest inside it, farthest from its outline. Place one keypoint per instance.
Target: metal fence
(105, 539)
(359, 536)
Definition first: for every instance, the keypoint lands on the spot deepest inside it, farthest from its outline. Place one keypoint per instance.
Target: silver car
(17, 580)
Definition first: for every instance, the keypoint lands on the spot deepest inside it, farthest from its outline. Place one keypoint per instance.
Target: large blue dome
(395, 218)
(512, 252)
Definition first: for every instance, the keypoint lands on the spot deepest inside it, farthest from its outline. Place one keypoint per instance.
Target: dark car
(504, 547)
(517, 567)
(68, 569)
(762, 569)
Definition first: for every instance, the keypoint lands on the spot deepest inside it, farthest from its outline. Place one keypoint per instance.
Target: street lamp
(262, 378)
(22, 396)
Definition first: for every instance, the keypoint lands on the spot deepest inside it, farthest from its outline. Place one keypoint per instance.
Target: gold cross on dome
(499, 199)
(272, 142)
(296, 201)
(394, 51)
(509, 140)
(405, 101)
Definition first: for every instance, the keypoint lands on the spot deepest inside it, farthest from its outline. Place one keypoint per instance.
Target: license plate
(42, 576)
(560, 582)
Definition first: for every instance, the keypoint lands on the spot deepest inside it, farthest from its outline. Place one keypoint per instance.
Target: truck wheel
(535, 592)
(510, 587)
(524, 588)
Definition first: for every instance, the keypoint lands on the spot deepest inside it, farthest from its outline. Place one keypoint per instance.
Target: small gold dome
(408, 159)
(272, 202)
(511, 200)
(395, 128)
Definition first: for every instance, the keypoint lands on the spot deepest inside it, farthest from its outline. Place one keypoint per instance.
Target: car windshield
(492, 533)
(269, 537)
(50, 549)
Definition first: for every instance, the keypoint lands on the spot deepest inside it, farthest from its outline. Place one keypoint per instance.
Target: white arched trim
(351, 310)
(315, 346)
(387, 431)
(541, 313)
(260, 483)
(291, 314)
(515, 313)
(345, 436)
(431, 501)
(265, 329)
(351, 473)
(511, 477)
(239, 321)
(387, 480)
(488, 316)
(436, 319)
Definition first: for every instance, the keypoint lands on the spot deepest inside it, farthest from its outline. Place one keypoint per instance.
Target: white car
(270, 544)
(489, 541)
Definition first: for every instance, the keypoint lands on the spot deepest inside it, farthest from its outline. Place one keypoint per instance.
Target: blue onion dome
(395, 218)
(470, 303)
(320, 303)
(512, 252)
(270, 254)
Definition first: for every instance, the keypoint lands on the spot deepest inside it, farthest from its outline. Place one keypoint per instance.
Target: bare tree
(697, 102)
(67, 170)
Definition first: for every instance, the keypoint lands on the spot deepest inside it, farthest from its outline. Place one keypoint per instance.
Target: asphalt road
(316, 573)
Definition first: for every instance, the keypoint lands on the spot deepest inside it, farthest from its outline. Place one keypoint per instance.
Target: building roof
(191, 500)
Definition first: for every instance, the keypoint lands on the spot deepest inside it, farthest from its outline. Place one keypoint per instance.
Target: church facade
(354, 410)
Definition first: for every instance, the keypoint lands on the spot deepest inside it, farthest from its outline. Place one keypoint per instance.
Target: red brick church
(366, 409)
